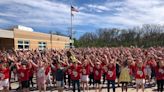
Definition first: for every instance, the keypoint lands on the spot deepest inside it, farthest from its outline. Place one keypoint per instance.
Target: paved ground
(14, 85)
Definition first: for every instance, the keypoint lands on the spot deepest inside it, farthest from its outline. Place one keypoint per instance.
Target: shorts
(25, 84)
(97, 81)
(41, 80)
(84, 78)
(59, 84)
(140, 81)
(4, 83)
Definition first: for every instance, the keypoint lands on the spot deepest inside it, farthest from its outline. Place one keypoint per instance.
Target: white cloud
(135, 13)
(7, 14)
(3, 21)
(126, 13)
(98, 7)
(37, 13)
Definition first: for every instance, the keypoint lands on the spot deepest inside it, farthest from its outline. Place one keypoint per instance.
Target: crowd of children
(79, 69)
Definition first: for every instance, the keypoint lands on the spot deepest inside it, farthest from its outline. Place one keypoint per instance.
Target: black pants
(69, 80)
(104, 78)
(74, 83)
(25, 84)
(160, 85)
(31, 82)
(113, 85)
(91, 79)
(65, 82)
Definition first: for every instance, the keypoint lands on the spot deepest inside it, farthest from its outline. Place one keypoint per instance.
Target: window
(20, 42)
(26, 42)
(67, 45)
(23, 44)
(42, 45)
(20, 46)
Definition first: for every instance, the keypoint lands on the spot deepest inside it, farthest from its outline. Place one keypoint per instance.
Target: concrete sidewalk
(15, 85)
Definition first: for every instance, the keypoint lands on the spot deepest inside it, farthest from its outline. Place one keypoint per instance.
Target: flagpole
(71, 35)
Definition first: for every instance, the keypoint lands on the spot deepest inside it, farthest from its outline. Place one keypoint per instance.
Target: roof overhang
(6, 34)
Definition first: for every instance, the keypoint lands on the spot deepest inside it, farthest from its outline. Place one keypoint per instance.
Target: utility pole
(51, 38)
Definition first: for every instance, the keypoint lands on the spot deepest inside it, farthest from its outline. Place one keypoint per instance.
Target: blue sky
(49, 15)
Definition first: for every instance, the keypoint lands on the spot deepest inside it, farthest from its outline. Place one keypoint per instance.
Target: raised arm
(33, 64)
(98, 60)
(90, 61)
(106, 59)
(78, 61)
(17, 65)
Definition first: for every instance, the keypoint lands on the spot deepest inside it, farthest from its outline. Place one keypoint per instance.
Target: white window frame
(42, 45)
(23, 44)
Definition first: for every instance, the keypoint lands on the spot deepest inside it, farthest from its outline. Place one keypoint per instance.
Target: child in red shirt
(140, 76)
(4, 77)
(48, 76)
(159, 70)
(75, 76)
(111, 75)
(24, 71)
(97, 75)
(85, 75)
(31, 73)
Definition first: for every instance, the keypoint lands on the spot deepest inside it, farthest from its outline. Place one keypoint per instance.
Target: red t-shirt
(86, 70)
(24, 74)
(111, 73)
(75, 72)
(47, 70)
(159, 73)
(132, 69)
(4, 74)
(31, 72)
(139, 73)
(102, 65)
(97, 73)
(65, 65)
(55, 68)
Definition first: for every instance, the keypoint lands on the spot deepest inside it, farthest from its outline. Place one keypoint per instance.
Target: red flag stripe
(74, 9)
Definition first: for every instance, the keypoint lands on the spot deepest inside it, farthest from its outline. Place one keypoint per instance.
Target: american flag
(74, 9)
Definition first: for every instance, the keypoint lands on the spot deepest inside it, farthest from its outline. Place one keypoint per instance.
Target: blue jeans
(113, 85)
(74, 83)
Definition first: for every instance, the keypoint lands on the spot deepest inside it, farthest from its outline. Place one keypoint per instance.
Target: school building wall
(9, 39)
(52, 41)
